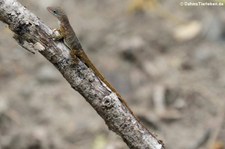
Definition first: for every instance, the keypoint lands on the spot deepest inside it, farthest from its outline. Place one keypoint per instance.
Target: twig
(33, 35)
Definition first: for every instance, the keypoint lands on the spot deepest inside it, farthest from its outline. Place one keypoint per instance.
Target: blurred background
(165, 58)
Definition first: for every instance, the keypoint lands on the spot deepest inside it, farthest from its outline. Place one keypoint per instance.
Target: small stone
(135, 42)
(187, 31)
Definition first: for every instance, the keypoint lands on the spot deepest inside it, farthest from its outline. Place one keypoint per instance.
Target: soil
(167, 60)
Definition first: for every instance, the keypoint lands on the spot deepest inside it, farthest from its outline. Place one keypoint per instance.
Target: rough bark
(34, 35)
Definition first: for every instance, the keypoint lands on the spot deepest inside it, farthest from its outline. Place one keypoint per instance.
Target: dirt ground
(167, 60)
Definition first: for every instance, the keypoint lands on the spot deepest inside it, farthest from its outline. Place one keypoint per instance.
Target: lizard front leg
(57, 34)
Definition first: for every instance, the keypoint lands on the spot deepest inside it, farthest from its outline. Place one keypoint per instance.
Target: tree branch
(34, 35)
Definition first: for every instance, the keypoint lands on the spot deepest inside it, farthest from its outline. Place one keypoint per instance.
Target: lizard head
(56, 11)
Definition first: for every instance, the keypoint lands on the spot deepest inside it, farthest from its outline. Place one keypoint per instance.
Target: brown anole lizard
(65, 32)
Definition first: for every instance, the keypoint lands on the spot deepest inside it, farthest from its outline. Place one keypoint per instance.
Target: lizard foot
(56, 35)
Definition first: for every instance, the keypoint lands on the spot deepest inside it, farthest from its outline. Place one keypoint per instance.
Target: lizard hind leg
(74, 57)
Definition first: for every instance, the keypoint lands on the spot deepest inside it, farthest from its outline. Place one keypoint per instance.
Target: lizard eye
(54, 11)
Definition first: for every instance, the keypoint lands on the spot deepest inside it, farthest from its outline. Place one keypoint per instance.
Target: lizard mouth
(49, 9)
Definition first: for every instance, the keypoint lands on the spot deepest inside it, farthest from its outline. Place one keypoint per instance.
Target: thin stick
(32, 34)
